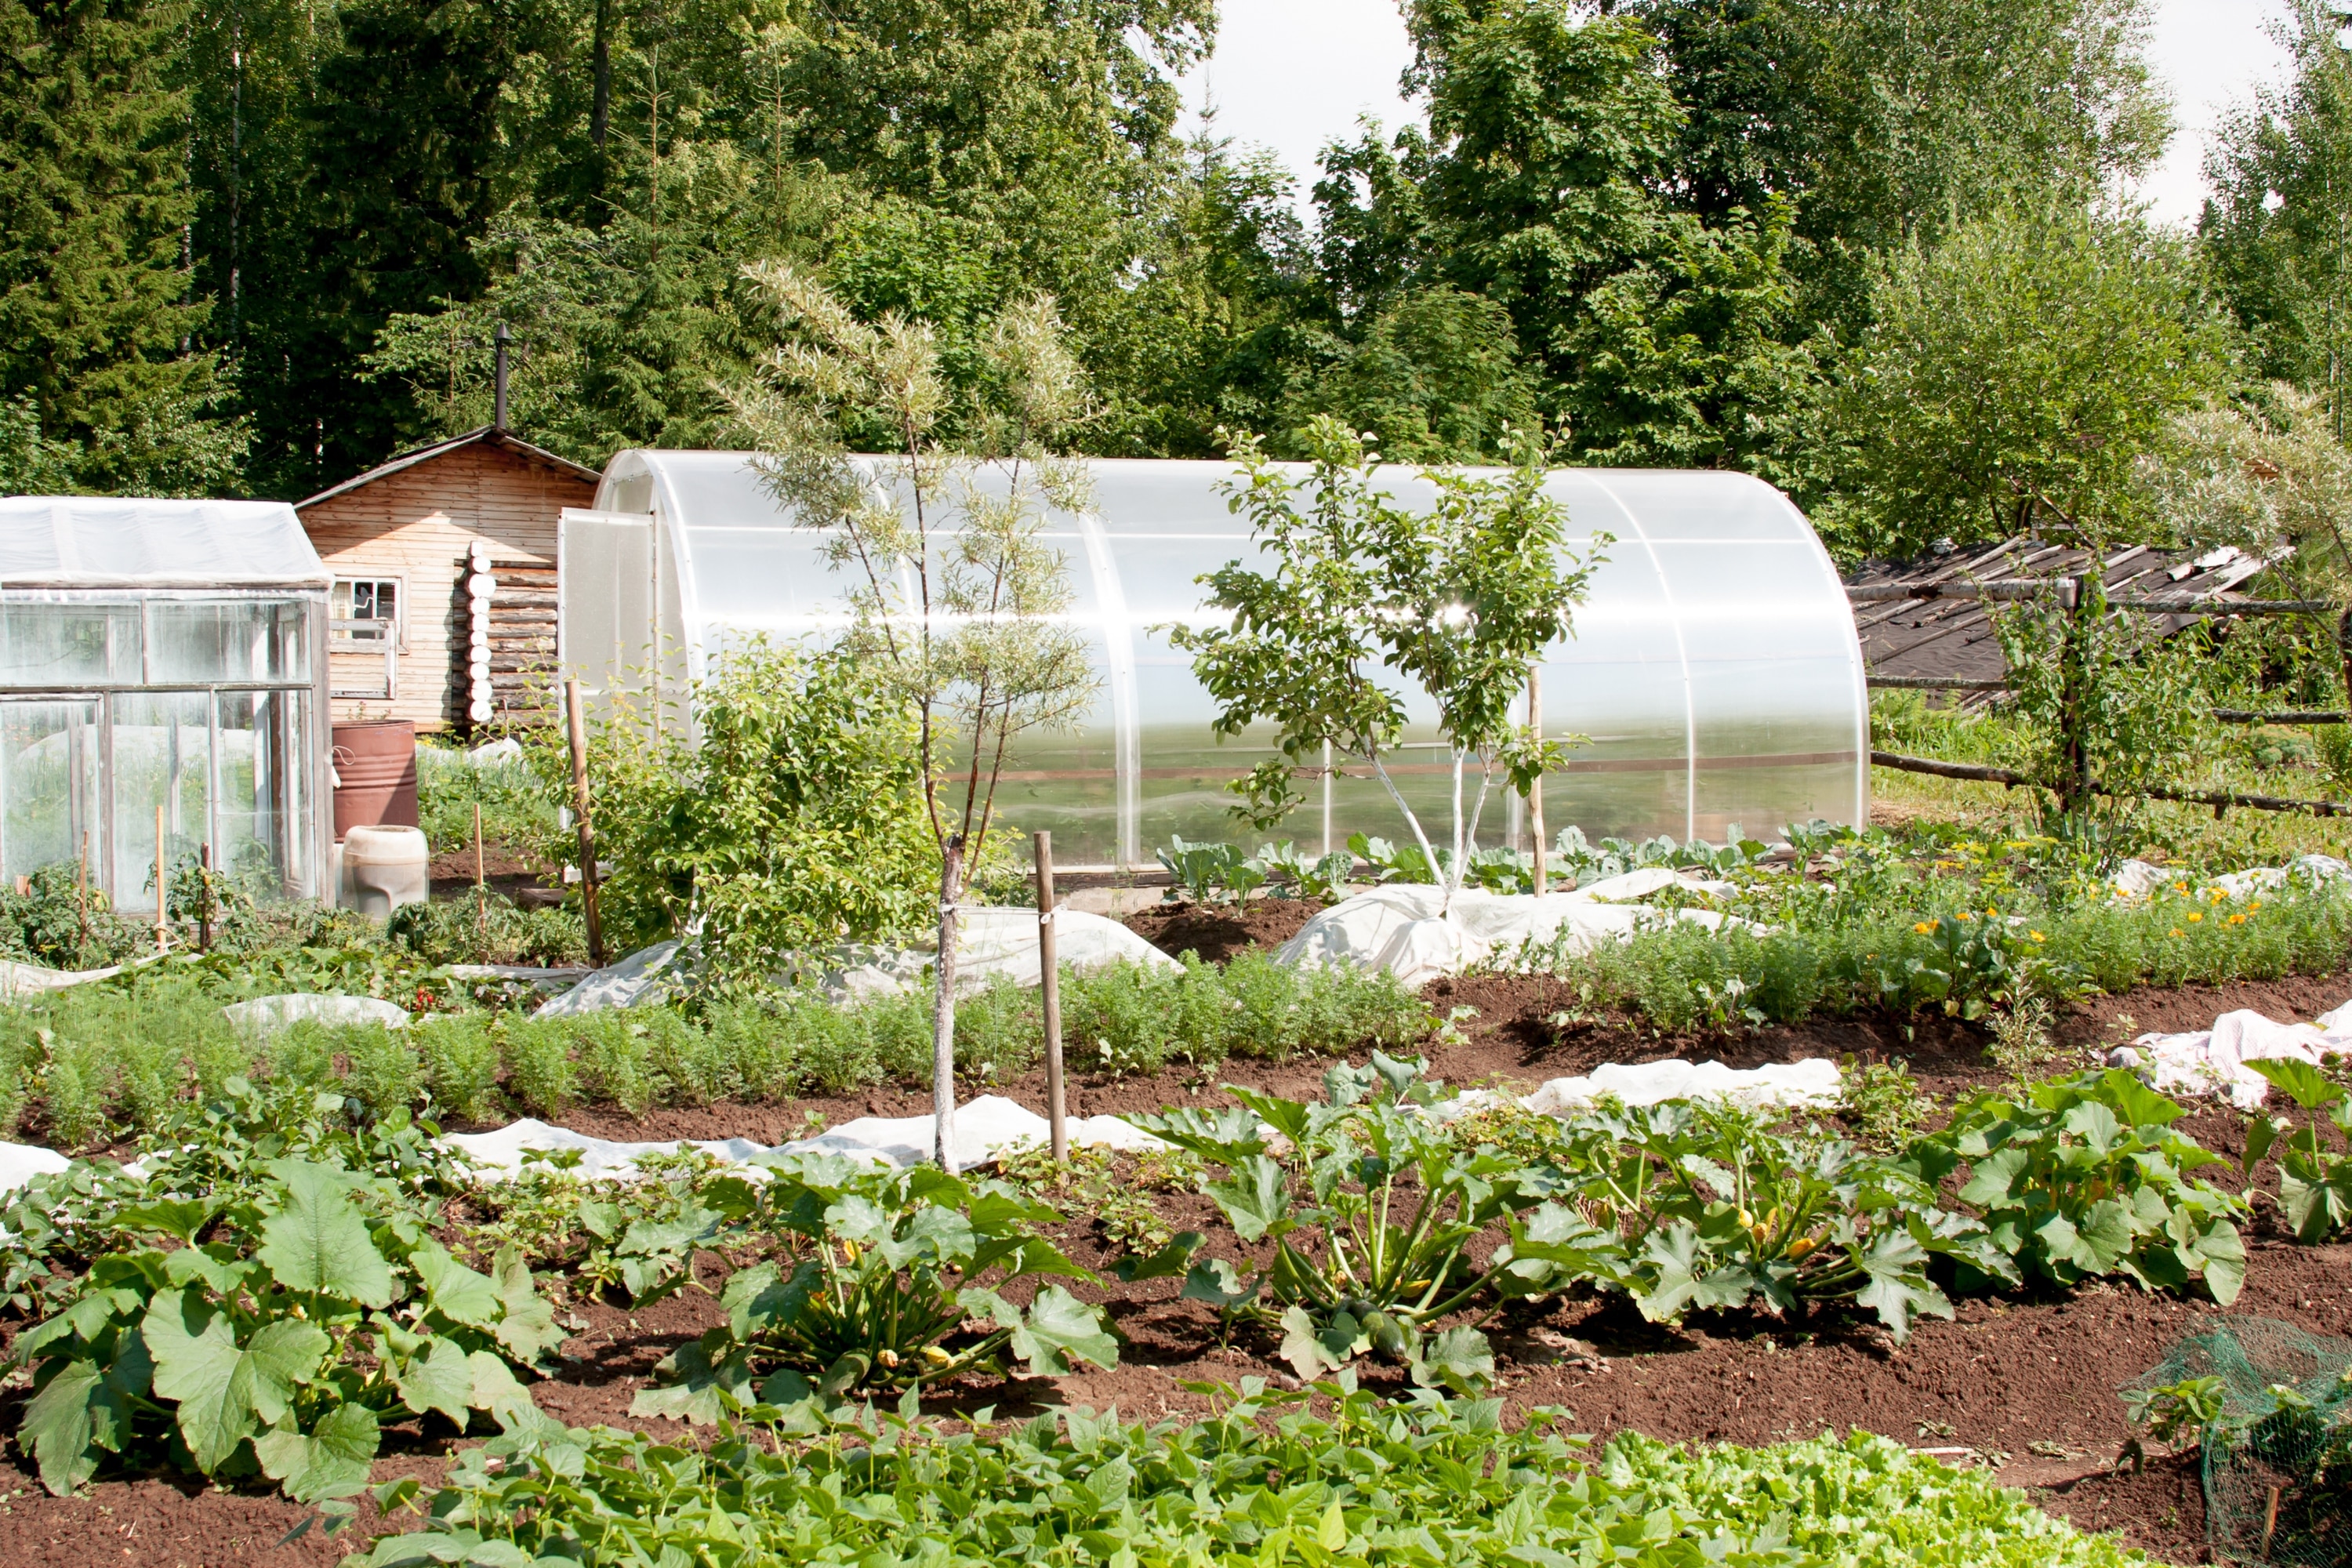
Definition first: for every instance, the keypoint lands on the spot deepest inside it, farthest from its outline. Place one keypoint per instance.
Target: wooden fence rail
(2071, 594)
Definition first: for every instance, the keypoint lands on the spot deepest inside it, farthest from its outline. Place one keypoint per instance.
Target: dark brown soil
(510, 872)
(2026, 1383)
(1217, 934)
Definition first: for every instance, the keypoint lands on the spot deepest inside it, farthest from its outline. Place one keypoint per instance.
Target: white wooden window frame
(340, 639)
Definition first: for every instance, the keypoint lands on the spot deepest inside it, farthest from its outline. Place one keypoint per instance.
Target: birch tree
(956, 597)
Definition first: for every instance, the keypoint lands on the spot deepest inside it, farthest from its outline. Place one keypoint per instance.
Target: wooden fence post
(2074, 788)
(2344, 651)
(578, 723)
(1049, 983)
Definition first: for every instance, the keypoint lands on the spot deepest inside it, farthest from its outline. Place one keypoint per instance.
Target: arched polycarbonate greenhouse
(1714, 671)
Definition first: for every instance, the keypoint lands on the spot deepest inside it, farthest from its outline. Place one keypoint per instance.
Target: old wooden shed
(402, 540)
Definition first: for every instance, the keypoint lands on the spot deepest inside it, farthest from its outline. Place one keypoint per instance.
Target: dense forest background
(1875, 253)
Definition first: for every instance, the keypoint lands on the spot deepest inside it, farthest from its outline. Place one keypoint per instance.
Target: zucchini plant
(1372, 1209)
(287, 1317)
(887, 1279)
(1712, 1209)
(2086, 1176)
(2315, 1181)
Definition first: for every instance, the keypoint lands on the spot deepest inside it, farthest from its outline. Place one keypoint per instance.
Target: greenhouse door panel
(48, 784)
(162, 743)
(256, 837)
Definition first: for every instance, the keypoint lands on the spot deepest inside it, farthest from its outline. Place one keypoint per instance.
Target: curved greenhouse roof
(1715, 669)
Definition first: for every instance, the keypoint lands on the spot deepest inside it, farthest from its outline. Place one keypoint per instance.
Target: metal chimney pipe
(499, 393)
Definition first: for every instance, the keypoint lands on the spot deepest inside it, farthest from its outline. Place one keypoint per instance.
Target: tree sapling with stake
(957, 601)
(1462, 597)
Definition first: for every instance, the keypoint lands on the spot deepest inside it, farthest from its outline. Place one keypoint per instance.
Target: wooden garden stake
(579, 737)
(481, 884)
(2270, 1523)
(204, 898)
(1049, 983)
(1535, 790)
(82, 886)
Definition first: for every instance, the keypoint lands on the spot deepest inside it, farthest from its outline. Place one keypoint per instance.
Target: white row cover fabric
(2137, 878)
(266, 1018)
(1402, 927)
(1812, 1084)
(112, 541)
(985, 1128)
(992, 941)
(2214, 1062)
(18, 981)
(20, 1163)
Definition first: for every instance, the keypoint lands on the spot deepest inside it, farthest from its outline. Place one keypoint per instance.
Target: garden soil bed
(2027, 1383)
(1218, 934)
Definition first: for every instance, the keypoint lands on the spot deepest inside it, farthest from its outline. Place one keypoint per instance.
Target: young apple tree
(957, 600)
(1462, 598)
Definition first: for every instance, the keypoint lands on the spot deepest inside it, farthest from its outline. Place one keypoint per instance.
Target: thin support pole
(943, 1107)
(481, 884)
(577, 726)
(204, 898)
(162, 886)
(2074, 682)
(1049, 983)
(81, 887)
(1535, 790)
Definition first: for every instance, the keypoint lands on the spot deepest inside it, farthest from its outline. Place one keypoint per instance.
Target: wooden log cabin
(402, 540)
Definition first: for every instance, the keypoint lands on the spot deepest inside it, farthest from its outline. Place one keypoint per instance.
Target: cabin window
(367, 609)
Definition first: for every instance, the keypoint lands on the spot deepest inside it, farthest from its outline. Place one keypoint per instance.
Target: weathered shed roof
(488, 435)
(1954, 638)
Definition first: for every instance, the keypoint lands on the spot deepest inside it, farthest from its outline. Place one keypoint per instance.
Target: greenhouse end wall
(162, 655)
(1715, 677)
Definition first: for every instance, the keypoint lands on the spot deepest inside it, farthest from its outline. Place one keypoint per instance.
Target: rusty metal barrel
(375, 775)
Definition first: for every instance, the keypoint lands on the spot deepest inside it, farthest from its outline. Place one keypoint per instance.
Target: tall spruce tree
(98, 323)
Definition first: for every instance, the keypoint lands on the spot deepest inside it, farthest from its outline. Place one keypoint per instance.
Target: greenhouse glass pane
(192, 642)
(161, 744)
(69, 644)
(49, 777)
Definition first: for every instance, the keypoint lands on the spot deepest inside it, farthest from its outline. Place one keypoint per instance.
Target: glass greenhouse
(162, 654)
(1714, 671)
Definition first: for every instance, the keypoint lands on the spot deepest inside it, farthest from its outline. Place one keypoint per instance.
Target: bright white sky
(1293, 75)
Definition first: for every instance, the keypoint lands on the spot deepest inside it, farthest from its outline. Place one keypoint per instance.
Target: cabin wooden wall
(418, 524)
